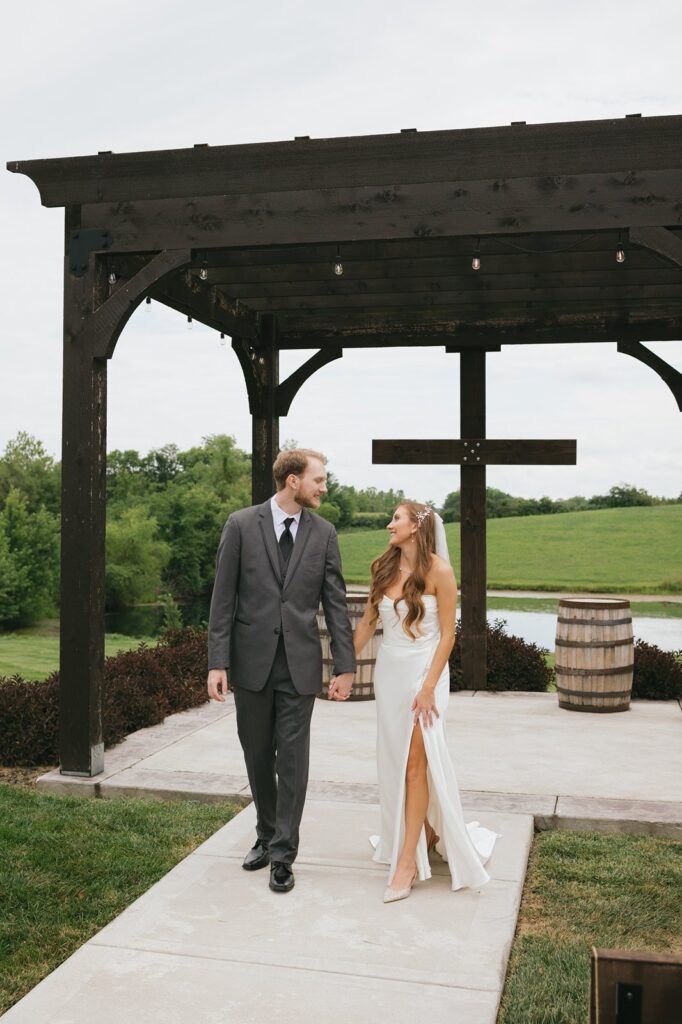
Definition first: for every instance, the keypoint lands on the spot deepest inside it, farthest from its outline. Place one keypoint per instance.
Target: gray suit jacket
(252, 603)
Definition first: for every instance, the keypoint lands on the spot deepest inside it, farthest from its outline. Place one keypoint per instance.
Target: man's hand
(340, 686)
(217, 684)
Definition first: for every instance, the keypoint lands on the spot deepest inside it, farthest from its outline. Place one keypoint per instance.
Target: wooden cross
(473, 453)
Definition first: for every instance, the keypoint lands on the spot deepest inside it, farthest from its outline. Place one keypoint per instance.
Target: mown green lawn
(69, 865)
(36, 655)
(586, 889)
(624, 550)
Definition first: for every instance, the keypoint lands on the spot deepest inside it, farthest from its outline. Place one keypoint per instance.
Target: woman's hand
(424, 705)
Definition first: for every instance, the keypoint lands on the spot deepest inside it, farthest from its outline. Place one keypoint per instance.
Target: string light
(112, 278)
(203, 274)
(338, 268)
(222, 339)
(148, 304)
(476, 263)
(189, 323)
(620, 255)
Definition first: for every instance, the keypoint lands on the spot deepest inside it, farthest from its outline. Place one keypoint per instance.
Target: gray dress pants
(274, 731)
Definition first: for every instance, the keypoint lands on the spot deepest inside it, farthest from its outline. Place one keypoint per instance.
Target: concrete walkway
(210, 943)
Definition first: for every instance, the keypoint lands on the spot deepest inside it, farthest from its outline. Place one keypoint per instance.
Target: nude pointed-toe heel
(393, 895)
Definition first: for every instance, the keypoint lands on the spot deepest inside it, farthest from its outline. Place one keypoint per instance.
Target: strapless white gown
(401, 667)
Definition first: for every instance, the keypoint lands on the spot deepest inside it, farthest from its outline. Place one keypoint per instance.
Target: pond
(540, 628)
(535, 627)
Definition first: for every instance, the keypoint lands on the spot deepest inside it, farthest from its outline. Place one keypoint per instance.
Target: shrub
(371, 520)
(140, 688)
(512, 663)
(657, 674)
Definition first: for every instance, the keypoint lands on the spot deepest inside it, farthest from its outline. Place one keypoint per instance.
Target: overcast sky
(79, 77)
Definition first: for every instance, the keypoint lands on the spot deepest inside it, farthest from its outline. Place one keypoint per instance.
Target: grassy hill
(635, 550)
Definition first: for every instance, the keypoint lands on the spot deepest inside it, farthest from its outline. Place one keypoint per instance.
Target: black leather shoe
(281, 877)
(257, 857)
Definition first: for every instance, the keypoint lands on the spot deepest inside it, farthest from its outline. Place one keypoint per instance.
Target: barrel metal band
(560, 670)
(595, 622)
(594, 643)
(589, 693)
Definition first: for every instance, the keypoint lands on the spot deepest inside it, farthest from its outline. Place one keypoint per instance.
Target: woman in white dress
(414, 594)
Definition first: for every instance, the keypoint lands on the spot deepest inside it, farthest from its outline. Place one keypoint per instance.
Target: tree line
(165, 512)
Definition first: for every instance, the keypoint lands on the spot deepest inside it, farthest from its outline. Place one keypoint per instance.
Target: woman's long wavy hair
(385, 570)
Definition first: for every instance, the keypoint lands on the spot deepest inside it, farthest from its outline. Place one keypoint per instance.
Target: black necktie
(286, 541)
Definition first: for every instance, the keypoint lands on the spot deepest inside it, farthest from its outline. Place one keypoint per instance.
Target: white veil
(441, 540)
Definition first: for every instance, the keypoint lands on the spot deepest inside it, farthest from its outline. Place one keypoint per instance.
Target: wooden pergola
(468, 240)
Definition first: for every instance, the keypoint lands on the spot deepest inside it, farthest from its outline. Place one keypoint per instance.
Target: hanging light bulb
(476, 263)
(222, 339)
(112, 278)
(148, 304)
(620, 255)
(338, 268)
(203, 274)
(189, 323)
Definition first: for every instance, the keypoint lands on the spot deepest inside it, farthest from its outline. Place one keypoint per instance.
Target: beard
(306, 502)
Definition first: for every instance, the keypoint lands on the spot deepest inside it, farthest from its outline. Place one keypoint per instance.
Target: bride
(414, 594)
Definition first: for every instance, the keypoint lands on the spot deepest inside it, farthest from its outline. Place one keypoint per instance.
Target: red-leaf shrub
(140, 688)
(657, 674)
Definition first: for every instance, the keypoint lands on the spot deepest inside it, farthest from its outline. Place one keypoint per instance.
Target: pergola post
(473, 523)
(260, 364)
(81, 664)
(95, 311)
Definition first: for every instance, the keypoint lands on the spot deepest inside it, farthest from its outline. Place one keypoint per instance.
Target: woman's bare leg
(416, 806)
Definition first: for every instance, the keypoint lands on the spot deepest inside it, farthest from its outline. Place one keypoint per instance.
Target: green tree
(136, 558)
(29, 560)
(27, 467)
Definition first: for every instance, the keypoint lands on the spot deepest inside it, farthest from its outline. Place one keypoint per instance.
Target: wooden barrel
(594, 654)
(363, 687)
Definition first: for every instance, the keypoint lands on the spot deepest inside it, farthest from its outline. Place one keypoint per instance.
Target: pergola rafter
(245, 240)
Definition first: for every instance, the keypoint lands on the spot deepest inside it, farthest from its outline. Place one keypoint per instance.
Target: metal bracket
(82, 243)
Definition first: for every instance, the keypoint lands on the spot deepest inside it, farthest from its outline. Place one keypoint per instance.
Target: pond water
(540, 628)
(535, 627)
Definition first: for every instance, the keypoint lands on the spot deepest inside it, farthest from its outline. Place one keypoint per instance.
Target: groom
(275, 563)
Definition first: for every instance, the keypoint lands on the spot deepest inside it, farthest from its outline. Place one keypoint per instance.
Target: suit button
(276, 630)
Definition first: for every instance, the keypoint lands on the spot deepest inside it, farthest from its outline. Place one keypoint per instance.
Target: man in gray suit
(275, 563)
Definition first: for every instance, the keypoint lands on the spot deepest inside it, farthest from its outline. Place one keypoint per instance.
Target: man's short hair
(294, 460)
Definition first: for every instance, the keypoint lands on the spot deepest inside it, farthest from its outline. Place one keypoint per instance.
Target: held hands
(340, 686)
(217, 684)
(424, 705)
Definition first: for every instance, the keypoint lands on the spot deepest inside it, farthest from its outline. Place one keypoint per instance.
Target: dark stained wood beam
(475, 451)
(510, 325)
(659, 240)
(289, 388)
(207, 305)
(519, 205)
(104, 327)
(260, 364)
(667, 373)
(552, 154)
(443, 279)
(540, 296)
(83, 503)
(547, 247)
(472, 392)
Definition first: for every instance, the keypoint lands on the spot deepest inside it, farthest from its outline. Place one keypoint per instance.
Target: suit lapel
(302, 534)
(268, 530)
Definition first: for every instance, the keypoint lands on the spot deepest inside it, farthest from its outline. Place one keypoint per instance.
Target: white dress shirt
(278, 517)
